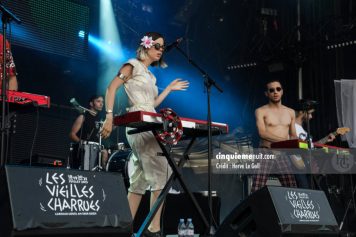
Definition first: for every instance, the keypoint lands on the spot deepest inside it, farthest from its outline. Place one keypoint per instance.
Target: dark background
(52, 60)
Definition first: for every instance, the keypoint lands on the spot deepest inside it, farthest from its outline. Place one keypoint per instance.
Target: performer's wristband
(109, 111)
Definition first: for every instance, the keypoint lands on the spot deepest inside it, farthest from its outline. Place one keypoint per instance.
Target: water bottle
(181, 228)
(70, 155)
(190, 228)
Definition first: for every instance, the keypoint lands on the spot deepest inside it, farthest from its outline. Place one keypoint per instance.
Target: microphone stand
(7, 16)
(80, 108)
(208, 83)
(306, 108)
(83, 109)
(99, 125)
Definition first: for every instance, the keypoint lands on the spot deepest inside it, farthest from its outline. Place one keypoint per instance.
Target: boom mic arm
(76, 105)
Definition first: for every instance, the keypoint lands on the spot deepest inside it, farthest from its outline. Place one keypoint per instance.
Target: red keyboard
(23, 98)
(147, 120)
(294, 143)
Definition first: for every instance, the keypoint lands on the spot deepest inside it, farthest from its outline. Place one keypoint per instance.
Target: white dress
(150, 170)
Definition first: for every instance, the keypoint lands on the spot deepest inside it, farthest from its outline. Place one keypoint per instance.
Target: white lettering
(57, 204)
(73, 205)
(52, 192)
(84, 191)
(55, 178)
(91, 191)
(77, 192)
(47, 180)
(80, 205)
(49, 204)
(63, 180)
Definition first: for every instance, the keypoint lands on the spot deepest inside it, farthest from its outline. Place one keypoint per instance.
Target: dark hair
(141, 50)
(94, 97)
(272, 80)
(304, 105)
(154, 35)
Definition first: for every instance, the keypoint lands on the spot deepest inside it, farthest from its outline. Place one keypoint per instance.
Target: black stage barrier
(280, 211)
(58, 202)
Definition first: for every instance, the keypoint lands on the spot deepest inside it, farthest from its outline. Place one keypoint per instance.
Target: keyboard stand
(176, 174)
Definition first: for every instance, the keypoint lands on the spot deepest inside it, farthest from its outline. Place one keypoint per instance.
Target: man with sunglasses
(275, 122)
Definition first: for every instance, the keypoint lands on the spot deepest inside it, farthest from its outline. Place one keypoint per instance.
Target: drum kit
(87, 155)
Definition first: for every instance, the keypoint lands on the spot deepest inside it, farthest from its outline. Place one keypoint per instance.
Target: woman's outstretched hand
(178, 85)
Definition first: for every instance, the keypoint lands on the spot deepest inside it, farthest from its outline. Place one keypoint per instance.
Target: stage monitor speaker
(281, 211)
(57, 202)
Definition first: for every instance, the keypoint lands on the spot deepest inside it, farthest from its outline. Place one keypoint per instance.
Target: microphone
(174, 44)
(80, 108)
(74, 102)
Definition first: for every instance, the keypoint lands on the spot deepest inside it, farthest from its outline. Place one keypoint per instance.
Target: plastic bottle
(190, 228)
(182, 228)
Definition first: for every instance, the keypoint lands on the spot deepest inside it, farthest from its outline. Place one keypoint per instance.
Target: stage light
(341, 44)
(147, 8)
(81, 34)
(108, 50)
(108, 43)
(242, 65)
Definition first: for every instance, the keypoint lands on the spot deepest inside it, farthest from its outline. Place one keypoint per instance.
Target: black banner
(302, 206)
(60, 198)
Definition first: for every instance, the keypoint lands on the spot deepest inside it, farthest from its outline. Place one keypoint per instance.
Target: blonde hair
(141, 52)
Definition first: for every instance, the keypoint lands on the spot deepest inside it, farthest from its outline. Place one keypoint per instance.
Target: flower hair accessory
(147, 42)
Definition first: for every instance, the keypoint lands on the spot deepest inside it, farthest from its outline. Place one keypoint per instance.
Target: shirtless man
(275, 122)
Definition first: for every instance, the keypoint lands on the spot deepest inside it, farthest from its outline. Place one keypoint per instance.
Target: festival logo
(304, 209)
(67, 194)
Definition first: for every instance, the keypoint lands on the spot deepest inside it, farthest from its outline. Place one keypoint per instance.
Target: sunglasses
(272, 90)
(158, 46)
